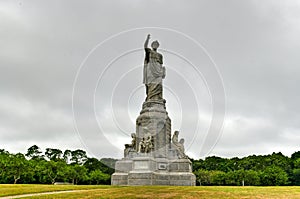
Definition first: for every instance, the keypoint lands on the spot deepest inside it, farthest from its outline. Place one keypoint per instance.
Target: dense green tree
(76, 167)
(34, 152)
(54, 170)
(4, 165)
(14, 168)
(242, 177)
(295, 155)
(38, 168)
(217, 177)
(231, 178)
(296, 163)
(202, 177)
(53, 154)
(251, 178)
(17, 165)
(296, 177)
(280, 160)
(252, 162)
(98, 177)
(108, 165)
(67, 155)
(76, 173)
(232, 164)
(78, 156)
(93, 164)
(197, 164)
(273, 175)
(215, 163)
(4, 160)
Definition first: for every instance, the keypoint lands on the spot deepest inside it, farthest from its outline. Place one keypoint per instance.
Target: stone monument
(154, 157)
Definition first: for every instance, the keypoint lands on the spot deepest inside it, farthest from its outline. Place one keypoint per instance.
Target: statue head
(181, 141)
(133, 135)
(176, 133)
(155, 44)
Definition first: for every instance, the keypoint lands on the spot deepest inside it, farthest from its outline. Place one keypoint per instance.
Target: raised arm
(147, 41)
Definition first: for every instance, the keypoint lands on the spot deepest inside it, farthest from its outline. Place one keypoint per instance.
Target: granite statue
(130, 147)
(154, 157)
(154, 72)
(179, 146)
(146, 144)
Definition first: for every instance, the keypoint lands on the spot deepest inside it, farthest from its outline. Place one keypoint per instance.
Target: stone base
(119, 179)
(154, 178)
(153, 171)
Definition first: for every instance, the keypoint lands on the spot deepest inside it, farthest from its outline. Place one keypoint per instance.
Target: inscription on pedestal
(141, 165)
(162, 166)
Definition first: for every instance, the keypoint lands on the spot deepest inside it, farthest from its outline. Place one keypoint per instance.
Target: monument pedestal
(159, 164)
(153, 171)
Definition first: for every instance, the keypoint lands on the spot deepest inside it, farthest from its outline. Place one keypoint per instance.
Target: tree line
(54, 165)
(265, 170)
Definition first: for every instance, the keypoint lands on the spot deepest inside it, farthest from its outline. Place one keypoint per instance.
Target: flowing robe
(154, 72)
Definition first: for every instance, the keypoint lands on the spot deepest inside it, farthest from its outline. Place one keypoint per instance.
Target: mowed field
(149, 191)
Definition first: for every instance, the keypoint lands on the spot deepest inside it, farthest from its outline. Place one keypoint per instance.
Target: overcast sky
(71, 74)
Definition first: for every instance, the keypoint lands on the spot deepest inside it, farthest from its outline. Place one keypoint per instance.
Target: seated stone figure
(146, 144)
(130, 147)
(142, 146)
(179, 146)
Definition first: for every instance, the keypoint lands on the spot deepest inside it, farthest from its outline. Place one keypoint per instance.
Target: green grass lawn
(10, 189)
(152, 191)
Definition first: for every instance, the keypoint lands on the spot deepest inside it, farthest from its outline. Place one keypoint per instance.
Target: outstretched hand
(147, 41)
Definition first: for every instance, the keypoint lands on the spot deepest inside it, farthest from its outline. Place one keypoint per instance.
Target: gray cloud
(255, 45)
